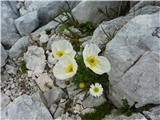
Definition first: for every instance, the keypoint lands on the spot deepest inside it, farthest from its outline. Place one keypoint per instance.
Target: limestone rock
(87, 11)
(131, 52)
(19, 47)
(52, 9)
(9, 34)
(35, 59)
(111, 27)
(4, 55)
(24, 107)
(27, 23)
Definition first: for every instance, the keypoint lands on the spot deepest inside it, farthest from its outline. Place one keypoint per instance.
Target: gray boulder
(4, 55)
(19, 47)
(25, 108)
(27, 23)
(87, 11)
(35, 59)
(134, 56)
(111, 27)
(51, 10)
(8, 30)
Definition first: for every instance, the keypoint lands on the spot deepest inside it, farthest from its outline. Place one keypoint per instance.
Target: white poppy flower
(65, 68)
(96, 90)
(51, 59)
(97, 64)
(61, 48)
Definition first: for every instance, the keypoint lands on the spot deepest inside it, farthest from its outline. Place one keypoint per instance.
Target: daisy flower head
(96, 90)
(97, 64)
(65, 68)
(61, 48)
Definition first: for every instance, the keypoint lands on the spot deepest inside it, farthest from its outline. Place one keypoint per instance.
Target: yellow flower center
(96, 89)
(82, 85)
(69, 68)
(59, 53)
(92, 61)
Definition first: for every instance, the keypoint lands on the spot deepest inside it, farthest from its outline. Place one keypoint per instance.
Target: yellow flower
(96, 90)
(97, 64)
(82, 85)
(65, 68)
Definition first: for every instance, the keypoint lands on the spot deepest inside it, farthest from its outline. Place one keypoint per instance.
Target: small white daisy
(96, 90)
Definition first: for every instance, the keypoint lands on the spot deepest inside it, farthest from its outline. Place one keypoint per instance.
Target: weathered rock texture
(35, 59)
(134, 56)
(88, 11)
(9, 34)
(25, 108)
(27, 23)
(4, 55)
(19, 47)
(111, 27)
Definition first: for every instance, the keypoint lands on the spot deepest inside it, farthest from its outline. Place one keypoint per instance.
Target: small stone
(87, 110)
(44, 82)
(43, 37)
(11, 69)
(27, 23)
(13, 85)
(58, 112)
(4, 101)
(19, 47)
(8, 93)
(35, 59)
(54, 95)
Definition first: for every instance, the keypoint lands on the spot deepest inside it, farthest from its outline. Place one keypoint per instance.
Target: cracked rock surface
(134, 55)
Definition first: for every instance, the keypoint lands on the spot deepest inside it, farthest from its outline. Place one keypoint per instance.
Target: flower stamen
(92, 61)
(69, 68)
(59, 53)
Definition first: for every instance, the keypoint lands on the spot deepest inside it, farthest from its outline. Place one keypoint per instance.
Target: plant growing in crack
(86, 69)
(71, 25)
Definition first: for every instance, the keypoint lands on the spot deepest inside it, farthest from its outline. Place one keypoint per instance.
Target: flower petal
(91, 49)
(62, 45)
(104, 66)
(60, 67)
